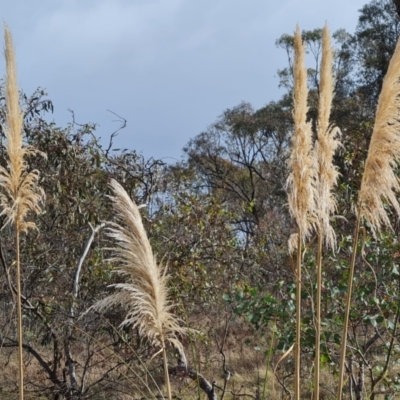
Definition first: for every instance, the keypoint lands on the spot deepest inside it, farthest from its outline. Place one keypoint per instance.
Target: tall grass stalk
(347, 307)
(380, 182)
(144, 295)
(318, 319)
(297, 351)
(300, 182)
(19, 191)
(326, 178)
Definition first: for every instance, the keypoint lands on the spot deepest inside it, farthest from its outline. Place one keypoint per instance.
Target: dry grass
(380, 181)
(244, 354)
(326, 177)
(301, 182)
(246, 362)
(325, 146)
(144, 295)
(20, 191)
(301, 192)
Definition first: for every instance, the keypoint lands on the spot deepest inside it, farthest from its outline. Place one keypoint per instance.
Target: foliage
(219, 222)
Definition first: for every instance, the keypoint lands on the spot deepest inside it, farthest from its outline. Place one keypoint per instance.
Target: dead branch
(185, 372)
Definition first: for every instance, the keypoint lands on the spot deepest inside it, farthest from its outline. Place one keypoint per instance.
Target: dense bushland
(220, 223)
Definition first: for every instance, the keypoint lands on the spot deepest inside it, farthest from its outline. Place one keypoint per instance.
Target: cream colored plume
(380, 182)
(326, 145)
(144, 295)
(302, 169)
(20, 192)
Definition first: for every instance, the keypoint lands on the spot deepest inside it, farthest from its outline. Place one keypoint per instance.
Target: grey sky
(170, 67)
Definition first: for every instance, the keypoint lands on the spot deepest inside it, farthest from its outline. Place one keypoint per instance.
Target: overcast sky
(170, 67)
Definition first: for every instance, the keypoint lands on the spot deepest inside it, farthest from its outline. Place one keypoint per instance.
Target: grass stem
(19, 312)
(348, 303)
(166, 374)
(318, 318)
(298, 319)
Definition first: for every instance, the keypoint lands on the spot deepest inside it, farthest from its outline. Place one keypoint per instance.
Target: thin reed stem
(166, 374)
(326, 178)
(19, 192)
(318, 319)
(348, 303)
(298, 319)
(19, 312)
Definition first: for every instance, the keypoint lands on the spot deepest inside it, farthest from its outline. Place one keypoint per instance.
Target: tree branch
(184, 372)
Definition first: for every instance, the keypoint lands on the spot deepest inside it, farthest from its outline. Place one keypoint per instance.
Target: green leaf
(324, 358)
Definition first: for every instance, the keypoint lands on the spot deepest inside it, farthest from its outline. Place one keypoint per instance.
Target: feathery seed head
(144, 295)
(326, 82)
(325, 146)
(380, 183)
(302, 171)
(21, 193)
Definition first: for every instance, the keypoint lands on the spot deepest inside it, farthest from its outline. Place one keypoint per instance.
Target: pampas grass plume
(380, 182)
(302, 171)
(325, 146)
(20, 192)
(144, 295)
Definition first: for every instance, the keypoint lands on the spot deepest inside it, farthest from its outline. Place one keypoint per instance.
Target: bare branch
(184, 372)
